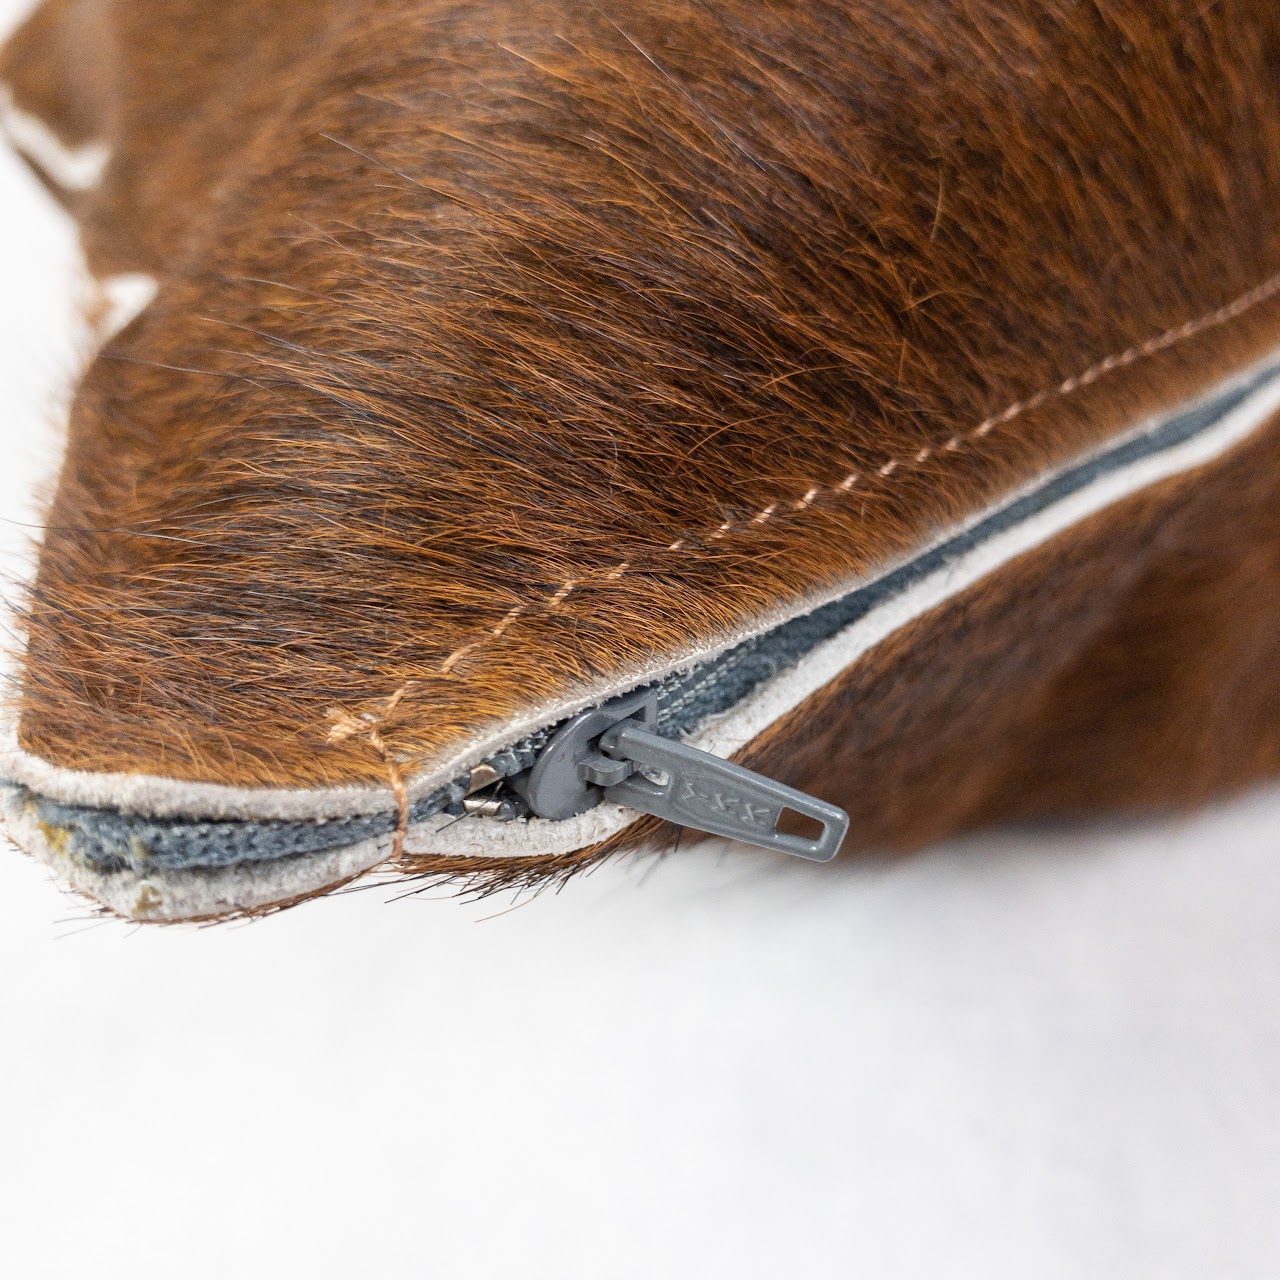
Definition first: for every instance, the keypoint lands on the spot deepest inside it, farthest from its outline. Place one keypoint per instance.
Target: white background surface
(1044, 1054)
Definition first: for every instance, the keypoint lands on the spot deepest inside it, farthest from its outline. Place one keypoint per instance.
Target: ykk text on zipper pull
(612, 754)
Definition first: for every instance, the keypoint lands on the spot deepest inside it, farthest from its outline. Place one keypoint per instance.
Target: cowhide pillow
(543, 403)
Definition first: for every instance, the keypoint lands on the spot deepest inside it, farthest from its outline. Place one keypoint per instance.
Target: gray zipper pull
(611, 753)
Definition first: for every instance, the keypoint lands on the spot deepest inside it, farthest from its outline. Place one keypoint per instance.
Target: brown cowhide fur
(500, 348)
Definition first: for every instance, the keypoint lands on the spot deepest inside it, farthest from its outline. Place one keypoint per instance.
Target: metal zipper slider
(612, 754)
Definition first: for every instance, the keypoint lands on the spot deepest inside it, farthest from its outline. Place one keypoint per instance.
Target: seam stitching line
(1246, 302)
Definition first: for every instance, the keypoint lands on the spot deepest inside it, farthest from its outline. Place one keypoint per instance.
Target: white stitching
(1267, 289)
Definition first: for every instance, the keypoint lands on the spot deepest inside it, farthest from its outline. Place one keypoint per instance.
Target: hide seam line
(1261, 293)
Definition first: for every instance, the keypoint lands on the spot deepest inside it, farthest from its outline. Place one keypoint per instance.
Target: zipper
(612, 755)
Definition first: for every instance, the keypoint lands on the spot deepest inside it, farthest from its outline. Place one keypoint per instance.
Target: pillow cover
(542, 404)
